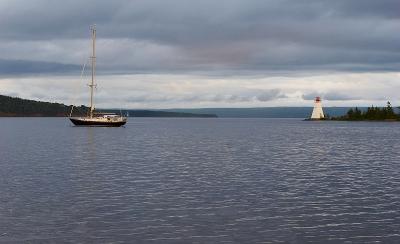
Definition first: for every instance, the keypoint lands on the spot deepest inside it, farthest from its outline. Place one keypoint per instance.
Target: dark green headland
(372, 113)
(17, 107)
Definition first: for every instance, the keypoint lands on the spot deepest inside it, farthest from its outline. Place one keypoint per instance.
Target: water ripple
(199, 181)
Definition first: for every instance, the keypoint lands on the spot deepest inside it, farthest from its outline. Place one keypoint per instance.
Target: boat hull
(99, 123)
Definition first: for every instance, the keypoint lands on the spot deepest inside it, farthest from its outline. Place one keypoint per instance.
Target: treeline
(13, 106)
(17, 107)
(371, 113)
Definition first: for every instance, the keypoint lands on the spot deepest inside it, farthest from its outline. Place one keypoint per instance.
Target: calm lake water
(199, 181)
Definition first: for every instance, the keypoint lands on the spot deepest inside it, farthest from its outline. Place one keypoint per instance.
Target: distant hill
(266, 112)
(158, 113)
(17, 107)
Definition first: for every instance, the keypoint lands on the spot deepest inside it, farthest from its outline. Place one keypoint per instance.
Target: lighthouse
(317, 112)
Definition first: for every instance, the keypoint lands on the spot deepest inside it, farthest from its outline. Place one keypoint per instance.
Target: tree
(372, 113)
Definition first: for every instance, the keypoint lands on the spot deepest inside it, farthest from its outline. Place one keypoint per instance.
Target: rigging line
(85, 62)
(81, 78)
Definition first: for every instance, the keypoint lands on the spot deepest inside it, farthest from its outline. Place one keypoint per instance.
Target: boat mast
(93, 57)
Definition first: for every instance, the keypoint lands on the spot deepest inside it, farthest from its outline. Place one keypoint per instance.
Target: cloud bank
(233, 41)
(180, 35)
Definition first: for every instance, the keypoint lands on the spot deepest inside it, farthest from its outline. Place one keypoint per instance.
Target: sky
(209, 53)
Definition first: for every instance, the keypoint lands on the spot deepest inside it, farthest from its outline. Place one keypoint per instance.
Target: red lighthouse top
(318, 99)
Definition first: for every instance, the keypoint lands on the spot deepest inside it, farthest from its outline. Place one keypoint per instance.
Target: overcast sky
(208, 53)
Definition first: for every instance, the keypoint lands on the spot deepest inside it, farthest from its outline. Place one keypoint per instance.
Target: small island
(370, 114)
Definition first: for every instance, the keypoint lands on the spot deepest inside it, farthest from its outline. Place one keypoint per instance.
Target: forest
(17, 107)
(370, 114)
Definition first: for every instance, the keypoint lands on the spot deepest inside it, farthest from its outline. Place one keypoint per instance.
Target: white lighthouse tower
(317, 112)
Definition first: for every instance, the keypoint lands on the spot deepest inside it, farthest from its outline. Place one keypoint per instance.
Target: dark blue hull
(79, 122)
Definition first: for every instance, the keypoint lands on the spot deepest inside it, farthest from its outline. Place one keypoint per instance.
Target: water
(199, 181)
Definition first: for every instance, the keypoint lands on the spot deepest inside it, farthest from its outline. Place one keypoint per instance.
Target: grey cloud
(331, 96)
(239, 97)
(11, 94)
(226, 36)
(334, 96)
(248, 95)
(18, 67)
(171, 91)
(310, 96)
(245, 96)
(269, 95)
(369, 8)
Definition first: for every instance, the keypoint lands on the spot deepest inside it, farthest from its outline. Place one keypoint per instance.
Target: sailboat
(95, 118)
